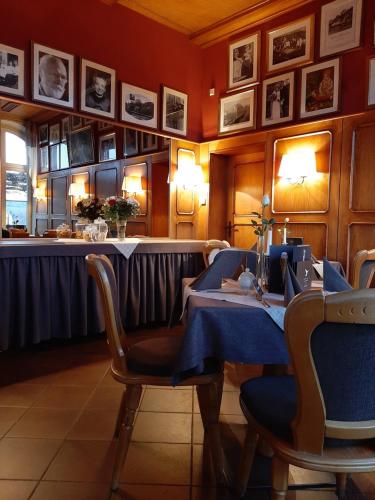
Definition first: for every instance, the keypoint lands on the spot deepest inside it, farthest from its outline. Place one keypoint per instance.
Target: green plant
(120, 208)
(262, 224)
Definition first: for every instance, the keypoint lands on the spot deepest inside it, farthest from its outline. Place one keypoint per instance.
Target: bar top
(48, 247)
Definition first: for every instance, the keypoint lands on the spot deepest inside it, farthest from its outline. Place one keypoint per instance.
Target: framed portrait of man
(340, 26)
(277, 99)
(244, 61)
(237, 112)
(12, 71)
(53, 76)
(139, 106)
(97, 89)
(174, 115)
(320, 88)
(81, 147)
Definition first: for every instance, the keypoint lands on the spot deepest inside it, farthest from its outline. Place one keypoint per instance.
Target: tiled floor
(58, 406)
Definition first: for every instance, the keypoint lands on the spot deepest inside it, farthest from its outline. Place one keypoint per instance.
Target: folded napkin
(332, 279)
(291, 285)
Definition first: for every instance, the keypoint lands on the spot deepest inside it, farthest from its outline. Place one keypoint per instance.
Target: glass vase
(261, 268)
(121, 229)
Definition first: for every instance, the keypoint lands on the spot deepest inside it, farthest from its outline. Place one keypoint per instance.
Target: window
(15, 149)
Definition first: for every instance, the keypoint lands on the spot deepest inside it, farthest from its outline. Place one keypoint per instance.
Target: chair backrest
(50, 233)
(225, 265)
(18, 233)
(101, 269)
(331, 340)
(363, 268)
(211, 248)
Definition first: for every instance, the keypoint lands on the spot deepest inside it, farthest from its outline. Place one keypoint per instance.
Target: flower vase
(121, 229)
(261, 271)
(80, 226)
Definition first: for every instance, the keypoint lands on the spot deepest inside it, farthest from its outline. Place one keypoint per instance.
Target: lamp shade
(77, 189)
(189, 177)
(298, 163)
(132, 184)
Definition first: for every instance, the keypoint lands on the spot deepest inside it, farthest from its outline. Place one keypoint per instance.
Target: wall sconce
(77, 189)
(40, 193)
(298, 164)
(132, 184)
(191, 178)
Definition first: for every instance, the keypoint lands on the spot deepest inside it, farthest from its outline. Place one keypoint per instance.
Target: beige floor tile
(148, 492)
(20, 394)
(89, 374)
(166, 400)
(198, 431)
(230, 404)
(106, 398)
(48, 490)
(157, 463)
(94, 425)
(49, 423)
(26, 458)
(298, 475)
(108, 380)
(202, 468)
(162, 427)
(86, 461)
(66, 397)
(9, 416)
(16, 490)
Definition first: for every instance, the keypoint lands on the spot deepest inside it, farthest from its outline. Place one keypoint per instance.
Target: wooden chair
(18, 233)
(211, 245)
(323, 417)
(50, 233)
(150, 362)
(363, 268)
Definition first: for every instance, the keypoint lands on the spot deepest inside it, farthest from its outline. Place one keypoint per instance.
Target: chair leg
(280, 473)
(120, 415)
(131, 398)
(246, 461)
(209, 408)
(341, 480)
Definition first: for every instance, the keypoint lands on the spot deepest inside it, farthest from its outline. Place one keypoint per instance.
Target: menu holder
(296, 254)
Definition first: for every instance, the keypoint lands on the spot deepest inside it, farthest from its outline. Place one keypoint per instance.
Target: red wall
(353, 68)
(143, 52)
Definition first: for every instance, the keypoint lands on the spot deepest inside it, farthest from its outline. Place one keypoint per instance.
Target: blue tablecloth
(228, 332)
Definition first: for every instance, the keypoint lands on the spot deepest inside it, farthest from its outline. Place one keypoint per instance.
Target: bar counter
(46, 291)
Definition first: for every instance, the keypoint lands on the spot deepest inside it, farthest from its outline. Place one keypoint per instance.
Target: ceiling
(24, 111)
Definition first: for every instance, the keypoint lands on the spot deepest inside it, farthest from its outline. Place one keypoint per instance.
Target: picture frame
(243, 64)
(131, 146)
(54, 134)
(139, 106)
(81, 147)
(43, 133)
(65, 128)
(290, 45)
(149, 142)
(104, 125)
(64, 156)
(370, 94)
(278, 99)
(107, 147)
(340, 26)
(54, 157)
(237, 112)
(52, 76)
(43, 160)
(174, 111)
(88, 121)
(165, 142)
(76, 122)
(320, 85)
(98, 85)
(12, 71)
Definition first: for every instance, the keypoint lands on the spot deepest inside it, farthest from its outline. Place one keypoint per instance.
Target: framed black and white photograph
(371, 83)
(76, 122)
(54, 133)
(139, 106)
(64, 157)
(12, 70)
(149, 142)
(43, 160)
(131, 147)
(43, 133)
(244, 61)
(174, 116)
(97, 89)
(290, 45)
(340, 26)
(320, 88)
(277, 99)
(107, 147)
(53, 76)
(65, 128)
(237, 112)
(54, 157)
(81, 147)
